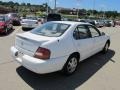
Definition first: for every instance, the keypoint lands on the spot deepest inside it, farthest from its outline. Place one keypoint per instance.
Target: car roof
(71, 22)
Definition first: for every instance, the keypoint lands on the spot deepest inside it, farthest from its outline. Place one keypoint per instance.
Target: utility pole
(55, 6)
(47, 8)
(93, 7)
(78, 4)
(78, 13)
(103, 10)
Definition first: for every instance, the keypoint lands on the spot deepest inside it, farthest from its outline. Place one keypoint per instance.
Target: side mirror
(103, 33)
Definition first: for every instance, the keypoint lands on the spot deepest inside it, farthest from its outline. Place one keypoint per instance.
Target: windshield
(1, 18)
(51, 29)
(12, 15)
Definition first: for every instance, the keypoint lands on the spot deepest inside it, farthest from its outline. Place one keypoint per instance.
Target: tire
(10, 27)
(106, 47)
(24, 29)
(16, 23)
(6, 31)
(71, 65)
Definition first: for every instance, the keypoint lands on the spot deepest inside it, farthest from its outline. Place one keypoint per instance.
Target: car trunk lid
(30, 21)
(28, 43)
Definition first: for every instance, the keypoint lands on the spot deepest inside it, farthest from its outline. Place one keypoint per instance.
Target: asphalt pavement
(99, 72)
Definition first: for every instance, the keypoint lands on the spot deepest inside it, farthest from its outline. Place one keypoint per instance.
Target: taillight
(42, 53)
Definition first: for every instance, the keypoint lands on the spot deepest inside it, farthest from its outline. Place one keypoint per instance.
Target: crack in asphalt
(7, 62)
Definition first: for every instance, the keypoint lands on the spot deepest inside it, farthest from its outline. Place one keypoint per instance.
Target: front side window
(94, 32)
(51, 29)
(81, 32)
(2, 18)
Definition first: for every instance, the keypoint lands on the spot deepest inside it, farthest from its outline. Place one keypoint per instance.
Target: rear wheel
(16, 23)
(71, 65)
(11, 27)
(106, 47)
(24, 29)
(6, 30)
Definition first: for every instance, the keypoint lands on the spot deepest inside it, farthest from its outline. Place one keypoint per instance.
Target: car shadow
(56, 81)
(27, 29)
(3, 34)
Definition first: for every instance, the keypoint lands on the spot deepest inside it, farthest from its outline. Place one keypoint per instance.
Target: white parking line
(15, 31)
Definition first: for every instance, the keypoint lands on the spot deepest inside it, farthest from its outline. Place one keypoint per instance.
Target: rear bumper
(38, 65)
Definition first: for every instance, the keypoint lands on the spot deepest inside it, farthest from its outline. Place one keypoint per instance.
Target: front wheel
(71, 65)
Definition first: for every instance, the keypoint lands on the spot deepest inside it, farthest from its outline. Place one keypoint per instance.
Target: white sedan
(29, 23)
(58, 45)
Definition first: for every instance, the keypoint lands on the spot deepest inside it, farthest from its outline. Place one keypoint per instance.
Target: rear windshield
(54, 17)
(31, 18)
(13, 15)
(51, 29)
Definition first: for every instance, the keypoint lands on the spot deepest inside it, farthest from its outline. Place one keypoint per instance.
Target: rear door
(83, 41)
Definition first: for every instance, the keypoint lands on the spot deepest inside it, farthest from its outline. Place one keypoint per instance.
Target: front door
(83, 41)
(99, 40)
